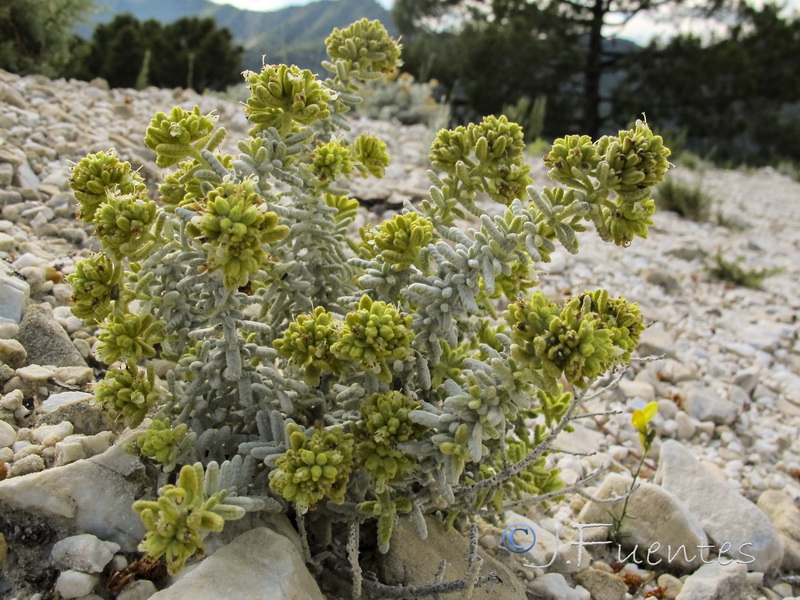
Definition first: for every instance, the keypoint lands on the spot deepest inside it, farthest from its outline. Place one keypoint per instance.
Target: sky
(641, 29)
(265, 5)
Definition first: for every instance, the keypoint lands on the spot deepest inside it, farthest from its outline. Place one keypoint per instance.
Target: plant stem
(615, 532)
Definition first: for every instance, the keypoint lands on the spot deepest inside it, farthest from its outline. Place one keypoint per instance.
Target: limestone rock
(257, 565)
(715, 581)
(553, 586)
(7, 435)
(602, 585)
(83, 552)
(554, 553)
(12, 353)
(412, 561)
(63, 399)
(785, 517)
(85, 415)
(95, 494)
(75, 584)
(705, 404)
(657, 522)
(141, 589)
(727, 516)
(46, 341)
(14, 293)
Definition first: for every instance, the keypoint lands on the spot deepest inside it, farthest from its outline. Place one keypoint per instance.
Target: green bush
(735, 273)
(189, 53)
(37, 34)
(686, 199)
(342, 381)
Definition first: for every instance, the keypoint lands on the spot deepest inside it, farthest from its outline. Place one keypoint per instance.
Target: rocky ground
(724, 472)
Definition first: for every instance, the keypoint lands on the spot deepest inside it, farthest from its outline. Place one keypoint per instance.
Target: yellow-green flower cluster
(345, 206)
(630, 164)
(331, 161)
(178, 520)
(307, 343)
(580, 340)
(182, 188)
(365, 45)
(371, 155)
(95, 284)
(233, 230)
(163, 443)
(127, 394)
(97, 175)
(384, 424)
(572, 157)
(400, 240)
(129, 337)
(620, 316)
(179, 135)
(374, 334)
(636, 158)
(282, 96)
(314, 467)
(124, 223)
(487, 157)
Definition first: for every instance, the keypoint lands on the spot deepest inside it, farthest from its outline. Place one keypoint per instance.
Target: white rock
(63, 399)
(667, 409)
(784, 590)
(49, 435)
(258, 564)
(28, 259)
(555, 551)
(727, 517)
(95, 493)
(26, 178)
(715, 581)
(19, 445)
(602, 584)
(68, 452)
(6, 174)
(73, 376)
(637, 389)
(141, 589)
(12, 401)
(97, 443)
(553, 586)
(8, 435)
(672, 585)
(657, 522)
(32, 463)
(686, 428)
(27, 450)
(12, 353)
(14, 294)
(83, 552)
(705, 404)
(34, 374)
(785, 517)
(8, 329)
(74, 584)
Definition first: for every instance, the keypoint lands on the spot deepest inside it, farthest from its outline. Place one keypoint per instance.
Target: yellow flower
(641, 419)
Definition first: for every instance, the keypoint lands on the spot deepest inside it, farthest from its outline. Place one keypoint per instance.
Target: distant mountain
(292, 35)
